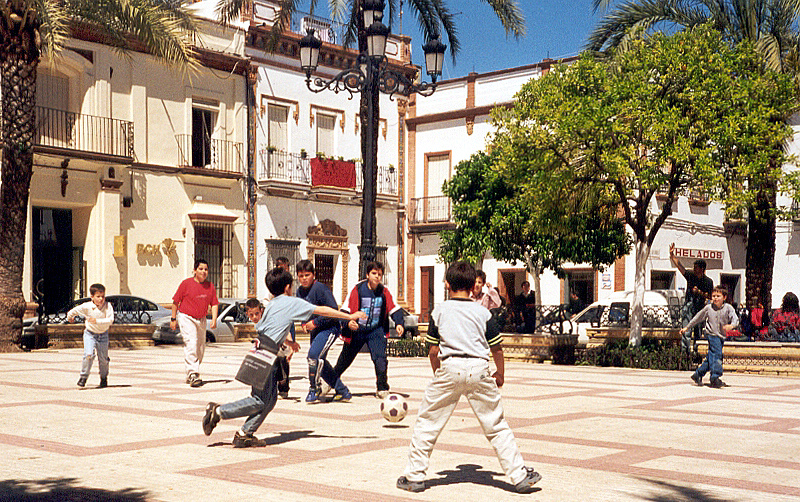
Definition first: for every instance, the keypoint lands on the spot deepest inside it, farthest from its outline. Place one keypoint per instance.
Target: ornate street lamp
(371, 75)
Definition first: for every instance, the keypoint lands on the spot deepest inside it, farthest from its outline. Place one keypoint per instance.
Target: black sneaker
(412, 486)
(697, 379)
(103, 383)
(82, 381)
(211, 418)
(526, 485)
(247, 441)
(717, 383)
(194, 380)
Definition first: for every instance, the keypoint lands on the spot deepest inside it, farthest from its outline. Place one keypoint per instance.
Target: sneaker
(526, 485)
(324, 389)
(283, 394)
(697, 379)
(717, 383)
(312, 397)
(381, 394)
(82, 381)
(103, 383)
(247, 441)
(194, 380)
(211, 418)
(345, 396)
(412, 486)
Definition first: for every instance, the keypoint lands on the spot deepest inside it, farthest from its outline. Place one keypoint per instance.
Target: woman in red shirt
(785, 323)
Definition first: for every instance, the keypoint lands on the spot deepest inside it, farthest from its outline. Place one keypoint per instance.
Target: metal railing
(213, 154)
(284, 166)
(654, 316)
(387, 179)
(76, 131)
(330, 32)
(141, 316)
(436, 209)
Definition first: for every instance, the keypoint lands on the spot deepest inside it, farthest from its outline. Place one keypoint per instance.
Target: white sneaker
(381, 394)
(324, 388)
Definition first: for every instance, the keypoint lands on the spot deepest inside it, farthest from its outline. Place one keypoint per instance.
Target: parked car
(662, 309)
(128, 309)
(410, 323)
(231, 312)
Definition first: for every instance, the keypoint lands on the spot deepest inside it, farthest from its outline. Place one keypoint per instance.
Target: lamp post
(370, 76)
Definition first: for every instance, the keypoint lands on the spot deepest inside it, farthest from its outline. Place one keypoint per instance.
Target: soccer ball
(394, 408)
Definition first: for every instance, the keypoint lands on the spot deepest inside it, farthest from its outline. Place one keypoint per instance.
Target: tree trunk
(760, 258)
(535, 270)
(637, 306)
(19, 59)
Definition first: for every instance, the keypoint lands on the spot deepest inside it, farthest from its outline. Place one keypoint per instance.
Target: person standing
(486, 296)
(698, 291)
(99, 316)
(189, 309)
(462, 335)
(525, 309)
(374, 299)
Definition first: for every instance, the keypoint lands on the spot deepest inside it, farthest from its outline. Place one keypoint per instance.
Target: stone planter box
(600, 336)
(537, 347)
(765, 358)
(67, 336)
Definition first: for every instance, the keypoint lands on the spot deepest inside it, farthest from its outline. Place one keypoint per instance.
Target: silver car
(230, 313)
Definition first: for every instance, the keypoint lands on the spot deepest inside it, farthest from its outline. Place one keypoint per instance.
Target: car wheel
(210, 337)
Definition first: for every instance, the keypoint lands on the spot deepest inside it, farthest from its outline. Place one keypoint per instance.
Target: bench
(763, 358)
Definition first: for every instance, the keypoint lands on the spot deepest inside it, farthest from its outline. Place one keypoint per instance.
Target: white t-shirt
(103, 316)
(463, 328)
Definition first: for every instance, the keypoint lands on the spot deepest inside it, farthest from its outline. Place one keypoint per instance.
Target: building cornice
(456, 114)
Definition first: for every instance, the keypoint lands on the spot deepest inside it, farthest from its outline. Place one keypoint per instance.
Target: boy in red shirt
(189, 308)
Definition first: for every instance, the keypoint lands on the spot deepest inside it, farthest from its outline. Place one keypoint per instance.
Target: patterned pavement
(593, 433)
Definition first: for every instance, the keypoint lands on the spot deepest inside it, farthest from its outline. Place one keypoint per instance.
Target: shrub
(401, 347)
(653, 354)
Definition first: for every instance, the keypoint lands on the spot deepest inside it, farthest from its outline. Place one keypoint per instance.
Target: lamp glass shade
(372, 10)
(434, 56)
(309, 52)
(376, 40)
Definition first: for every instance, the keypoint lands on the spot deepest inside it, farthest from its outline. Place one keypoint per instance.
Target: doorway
(582, 283)
(511, 283)
(52, 257)
(731, 282)
(426, 293)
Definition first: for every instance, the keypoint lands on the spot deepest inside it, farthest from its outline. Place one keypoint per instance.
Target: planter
(600, 336)
(537, 347)
(764, 358)
(68, 336)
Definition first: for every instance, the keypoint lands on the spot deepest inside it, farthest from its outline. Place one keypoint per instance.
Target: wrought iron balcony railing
(436, 209)
(387, 179)
(88, 133)
(284, 166)
(213, 154)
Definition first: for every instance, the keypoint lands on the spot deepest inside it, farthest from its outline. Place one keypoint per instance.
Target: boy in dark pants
(375, 300)
(273, 327)
(462, 334)
(323, 333)
(719, 317)
(283, 362)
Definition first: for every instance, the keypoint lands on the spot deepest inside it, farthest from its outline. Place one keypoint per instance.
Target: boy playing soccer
(99, 315)
(462, 333)
(720, 317)
(273, 326)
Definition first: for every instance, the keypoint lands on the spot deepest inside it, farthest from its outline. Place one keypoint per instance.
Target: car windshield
(593, 314)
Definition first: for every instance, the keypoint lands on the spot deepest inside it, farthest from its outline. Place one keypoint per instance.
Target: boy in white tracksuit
(462, 334)
(99, 315)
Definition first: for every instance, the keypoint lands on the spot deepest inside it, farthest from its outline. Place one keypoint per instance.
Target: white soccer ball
(394, 408)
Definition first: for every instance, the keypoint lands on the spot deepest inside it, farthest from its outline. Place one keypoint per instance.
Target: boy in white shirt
(99, 315)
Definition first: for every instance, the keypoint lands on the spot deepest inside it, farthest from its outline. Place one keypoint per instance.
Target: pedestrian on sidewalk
(372, 297)
(272, 328)
(99, 316)
(720, 317)
(189, 310)
(462, 334)
(323, 332)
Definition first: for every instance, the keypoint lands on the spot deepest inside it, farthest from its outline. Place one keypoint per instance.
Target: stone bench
(765, 358)
(66, 336)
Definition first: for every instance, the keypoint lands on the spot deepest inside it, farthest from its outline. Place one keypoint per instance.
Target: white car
(231, 312)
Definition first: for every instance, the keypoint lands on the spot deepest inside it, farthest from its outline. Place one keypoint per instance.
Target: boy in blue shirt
(323, 331)
(272, 328)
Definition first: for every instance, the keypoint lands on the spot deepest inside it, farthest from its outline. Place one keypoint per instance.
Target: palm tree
(771, 26)
(30, 30)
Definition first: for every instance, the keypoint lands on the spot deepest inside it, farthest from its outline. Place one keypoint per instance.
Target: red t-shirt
(193, 298)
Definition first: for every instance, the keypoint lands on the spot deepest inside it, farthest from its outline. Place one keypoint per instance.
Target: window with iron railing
(286, 248)
(213, 243)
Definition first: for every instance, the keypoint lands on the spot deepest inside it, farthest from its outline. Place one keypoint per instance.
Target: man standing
(189, 309)
(698, 291)
(525, 309)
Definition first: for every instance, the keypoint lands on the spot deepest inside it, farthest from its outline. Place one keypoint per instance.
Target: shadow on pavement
(107, 387)
(286, 437)
(471, 473)
(64, 490)
(221, 380)
(680, 493)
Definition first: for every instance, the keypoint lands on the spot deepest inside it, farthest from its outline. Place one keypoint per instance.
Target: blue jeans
(256, 407)
(713, 360)
(376, 342)
(95, 342)
(318, 366)
(687, 313)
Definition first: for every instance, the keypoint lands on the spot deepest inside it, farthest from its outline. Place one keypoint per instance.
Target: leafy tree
(28, 30)
(489, 217)
(771, 28)
(687, 112)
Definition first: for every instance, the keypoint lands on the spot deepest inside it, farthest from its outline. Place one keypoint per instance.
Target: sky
(554, 28)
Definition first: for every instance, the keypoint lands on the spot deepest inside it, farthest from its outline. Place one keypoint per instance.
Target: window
(325, 125)
(289, 249)
(278, 127)
(55, 126)
(438, 171)
(212, 242)
(204, 122)
(662, 279)
(323, 269)
(380, 257)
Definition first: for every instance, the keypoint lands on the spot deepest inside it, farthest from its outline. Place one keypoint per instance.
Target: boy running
(99, 315)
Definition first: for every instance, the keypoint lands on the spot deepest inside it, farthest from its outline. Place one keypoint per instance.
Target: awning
(211, 212)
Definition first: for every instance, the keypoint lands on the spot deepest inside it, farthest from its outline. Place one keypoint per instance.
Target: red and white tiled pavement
(593, 433)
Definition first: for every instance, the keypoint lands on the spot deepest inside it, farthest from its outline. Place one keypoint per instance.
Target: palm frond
(228, 11)
(54, 25)
(510, 15)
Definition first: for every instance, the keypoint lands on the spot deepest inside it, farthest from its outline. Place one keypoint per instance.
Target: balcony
(210, 154)
(60, 129)
(430, 213)
(283, 173)
(387, 181)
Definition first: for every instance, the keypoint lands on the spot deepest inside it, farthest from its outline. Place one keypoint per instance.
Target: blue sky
(555, 28)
